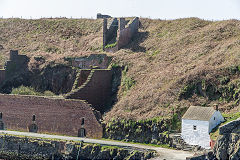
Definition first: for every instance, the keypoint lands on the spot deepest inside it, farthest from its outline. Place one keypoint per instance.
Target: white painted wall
(200, 136)
(218, 119)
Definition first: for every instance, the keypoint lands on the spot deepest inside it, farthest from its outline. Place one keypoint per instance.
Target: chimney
(215, 107)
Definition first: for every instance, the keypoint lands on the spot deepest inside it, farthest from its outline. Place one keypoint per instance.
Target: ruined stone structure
(100, 16)
(94, 86)
(16, 63)
(52, 115)
(100, 60)
(118, 33)
(70, 116)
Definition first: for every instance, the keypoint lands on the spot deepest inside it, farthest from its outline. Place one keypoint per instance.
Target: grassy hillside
(169, 59)
(53, 38)
(169, 66)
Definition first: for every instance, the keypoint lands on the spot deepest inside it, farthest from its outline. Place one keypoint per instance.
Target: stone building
(53, 115)
(197, 123)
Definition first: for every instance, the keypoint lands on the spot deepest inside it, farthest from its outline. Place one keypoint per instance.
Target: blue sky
(163, 9)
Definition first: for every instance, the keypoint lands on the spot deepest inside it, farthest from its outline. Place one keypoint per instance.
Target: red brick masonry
(56, 116)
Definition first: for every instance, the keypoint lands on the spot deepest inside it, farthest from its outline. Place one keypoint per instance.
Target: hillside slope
(53, 38)
(171, 64)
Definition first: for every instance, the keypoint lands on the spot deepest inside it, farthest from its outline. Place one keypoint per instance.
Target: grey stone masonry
(227, 128)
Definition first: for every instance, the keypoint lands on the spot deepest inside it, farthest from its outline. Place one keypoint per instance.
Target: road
(164, 153)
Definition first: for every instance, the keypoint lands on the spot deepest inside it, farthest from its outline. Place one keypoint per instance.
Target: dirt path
(164, 153)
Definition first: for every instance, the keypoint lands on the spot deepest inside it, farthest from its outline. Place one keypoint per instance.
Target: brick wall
(83, 75)
(97, 90)
(57, 116)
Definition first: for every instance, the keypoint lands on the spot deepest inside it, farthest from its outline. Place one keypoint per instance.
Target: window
(194, 128)
(214, 118)
(83, 121)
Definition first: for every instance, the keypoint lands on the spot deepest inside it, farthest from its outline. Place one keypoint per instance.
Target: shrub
(23, 90)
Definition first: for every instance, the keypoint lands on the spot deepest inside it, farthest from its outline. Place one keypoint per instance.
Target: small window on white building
(194, 128)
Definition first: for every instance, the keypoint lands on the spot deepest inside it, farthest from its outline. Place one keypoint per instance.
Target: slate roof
(199, 113)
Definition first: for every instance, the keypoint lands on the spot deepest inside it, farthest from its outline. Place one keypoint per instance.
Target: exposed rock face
(32, 148)
(57, 78)
(138, 131)
(228, 143)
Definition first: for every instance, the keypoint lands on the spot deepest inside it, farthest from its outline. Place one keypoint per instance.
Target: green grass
(23, 90)
(145, 144)
(111, 45)
(228, 118)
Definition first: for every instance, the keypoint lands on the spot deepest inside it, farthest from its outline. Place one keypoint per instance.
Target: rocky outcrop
(32, 148)
(146, 131)
(228, 143)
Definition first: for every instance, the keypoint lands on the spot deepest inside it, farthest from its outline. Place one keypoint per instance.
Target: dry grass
(164, 56)
(177, 52)
(54, 38)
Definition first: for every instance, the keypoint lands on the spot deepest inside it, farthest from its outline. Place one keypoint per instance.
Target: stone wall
(96, 90)
(109, 31)
(99, 16)
(81, 78)
(22, 148)
(14, 66)
(16, 63)
(125, 35)
(2, 75)
(56, 116)
(100, 60)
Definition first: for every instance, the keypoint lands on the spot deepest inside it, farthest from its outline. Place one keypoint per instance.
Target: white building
(197, 123)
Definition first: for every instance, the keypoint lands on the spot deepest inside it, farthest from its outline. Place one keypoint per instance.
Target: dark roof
(199, 113)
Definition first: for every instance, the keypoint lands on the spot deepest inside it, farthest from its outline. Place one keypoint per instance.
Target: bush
(23, 90)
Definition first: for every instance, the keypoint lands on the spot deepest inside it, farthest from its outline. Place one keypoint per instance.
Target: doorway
(82, 132)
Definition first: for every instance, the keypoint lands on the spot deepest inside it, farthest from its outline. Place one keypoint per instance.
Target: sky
(157, 9)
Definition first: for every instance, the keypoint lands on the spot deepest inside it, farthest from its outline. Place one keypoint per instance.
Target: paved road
(164, 153)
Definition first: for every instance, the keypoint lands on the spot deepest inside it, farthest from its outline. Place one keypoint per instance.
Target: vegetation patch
(127, 82)
(23, 90)
(111, 45)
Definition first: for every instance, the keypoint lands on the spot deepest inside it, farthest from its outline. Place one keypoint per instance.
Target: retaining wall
(2, 75)
(96, 90)
(100, 60)
(22, 148)
(56, 116)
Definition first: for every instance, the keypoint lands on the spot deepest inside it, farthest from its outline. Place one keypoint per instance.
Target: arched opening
(33, 128)
(82, 132)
